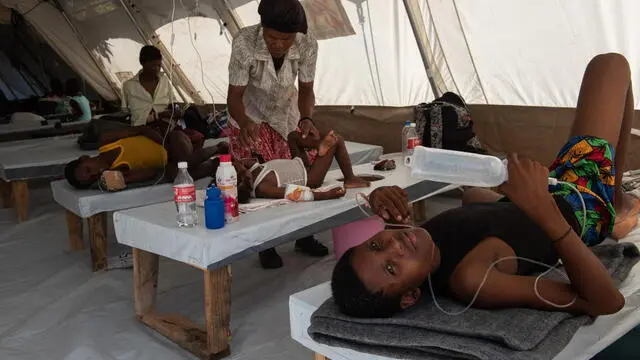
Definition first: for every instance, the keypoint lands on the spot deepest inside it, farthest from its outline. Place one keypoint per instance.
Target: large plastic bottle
(457, 167)
(184, 196)
(405, 127)
(410, 140)
(227, 182)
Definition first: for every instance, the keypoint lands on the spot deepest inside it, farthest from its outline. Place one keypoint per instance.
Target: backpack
(445, 123)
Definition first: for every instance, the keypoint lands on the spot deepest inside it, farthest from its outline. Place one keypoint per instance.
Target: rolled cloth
(285, 16)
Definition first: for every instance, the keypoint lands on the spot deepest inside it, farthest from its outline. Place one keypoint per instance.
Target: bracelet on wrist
(564, 236)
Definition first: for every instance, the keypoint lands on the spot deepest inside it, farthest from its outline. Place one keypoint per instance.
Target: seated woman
(79, 104)
(294, 179)
(137, 155)
(453, 251)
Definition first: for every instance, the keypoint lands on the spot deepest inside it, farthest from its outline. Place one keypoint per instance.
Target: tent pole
(228, 16)
(151, 38)
(96, 61)
(419, 32)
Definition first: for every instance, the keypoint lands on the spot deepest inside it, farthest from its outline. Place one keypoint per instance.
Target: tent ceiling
(502, 52)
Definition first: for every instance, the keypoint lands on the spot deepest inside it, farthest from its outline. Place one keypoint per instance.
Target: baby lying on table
(294, 179)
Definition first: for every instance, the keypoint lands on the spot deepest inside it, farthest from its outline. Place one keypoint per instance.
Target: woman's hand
(528, 188)
(249, 134)
(309, 128)
(391, 203)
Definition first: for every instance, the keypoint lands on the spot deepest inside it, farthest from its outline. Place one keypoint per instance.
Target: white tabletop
(28, 126)
(37, 158)
(153, 228)
(86, 203)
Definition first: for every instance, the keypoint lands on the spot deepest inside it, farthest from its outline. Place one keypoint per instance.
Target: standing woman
(264, 103)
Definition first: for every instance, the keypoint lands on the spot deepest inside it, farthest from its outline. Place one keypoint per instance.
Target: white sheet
(35, 158)
(20, 126)
(587, 342)
(153, 228)
(86, 203)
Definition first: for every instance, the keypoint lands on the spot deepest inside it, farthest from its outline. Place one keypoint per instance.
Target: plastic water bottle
(184, 195)
(214, 209)
(457, 167)
(227, 182)
(410, 140)
(405, 127)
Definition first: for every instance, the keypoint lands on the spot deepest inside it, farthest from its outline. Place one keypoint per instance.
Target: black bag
(446, 123)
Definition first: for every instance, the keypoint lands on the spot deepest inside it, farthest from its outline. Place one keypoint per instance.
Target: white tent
(499, 52)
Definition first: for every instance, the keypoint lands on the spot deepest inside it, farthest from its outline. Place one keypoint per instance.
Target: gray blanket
(423, 332)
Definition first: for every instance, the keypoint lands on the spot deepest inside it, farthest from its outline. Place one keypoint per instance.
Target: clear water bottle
(184, 195)
(410, 140)
(405, 127)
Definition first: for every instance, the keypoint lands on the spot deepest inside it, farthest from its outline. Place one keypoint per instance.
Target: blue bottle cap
(213, 192)
(407, 123)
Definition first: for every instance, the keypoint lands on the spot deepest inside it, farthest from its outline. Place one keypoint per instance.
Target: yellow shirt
(137, 152)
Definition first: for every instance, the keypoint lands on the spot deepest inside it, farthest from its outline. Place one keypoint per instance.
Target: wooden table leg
(419, 211)
(320, 357)
(145, 281)
(210, 342)
(217, 307)
(74, 227)
(98, 241)
(5, 192)
(20, 198)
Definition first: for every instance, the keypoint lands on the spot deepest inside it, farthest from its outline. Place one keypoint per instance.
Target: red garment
(272, 145)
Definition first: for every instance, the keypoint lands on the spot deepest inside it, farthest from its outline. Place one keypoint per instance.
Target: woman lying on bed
(136, 155)
(389, 272)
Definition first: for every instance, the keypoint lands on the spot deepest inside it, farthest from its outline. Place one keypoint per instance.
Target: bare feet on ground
(328, 143)
(626, 217)
(356, 183)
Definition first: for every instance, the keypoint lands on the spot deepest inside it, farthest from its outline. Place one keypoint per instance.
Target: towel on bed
(423, 332)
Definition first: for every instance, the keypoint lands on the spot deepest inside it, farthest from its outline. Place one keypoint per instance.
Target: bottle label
(230, 209)
(413, 142)
(184, 194)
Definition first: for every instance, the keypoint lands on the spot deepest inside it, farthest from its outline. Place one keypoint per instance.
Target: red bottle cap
(225, 158)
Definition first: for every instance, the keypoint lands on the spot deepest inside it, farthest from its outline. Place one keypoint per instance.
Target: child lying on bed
(454, 250)
(294, 179)
(136, 154)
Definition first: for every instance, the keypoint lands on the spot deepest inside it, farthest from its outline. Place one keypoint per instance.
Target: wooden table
(152, 232)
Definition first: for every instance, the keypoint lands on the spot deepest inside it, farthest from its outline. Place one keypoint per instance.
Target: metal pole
(96, 61)
(422, 48)
(228, 16)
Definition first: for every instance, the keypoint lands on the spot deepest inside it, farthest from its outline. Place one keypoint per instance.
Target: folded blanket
(423, 332)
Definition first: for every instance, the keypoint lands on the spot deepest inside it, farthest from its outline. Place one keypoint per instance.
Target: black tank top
(459, 230)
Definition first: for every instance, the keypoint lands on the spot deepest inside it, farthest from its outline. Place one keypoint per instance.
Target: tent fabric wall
(502, 52)
(50, 24)
(531, 52)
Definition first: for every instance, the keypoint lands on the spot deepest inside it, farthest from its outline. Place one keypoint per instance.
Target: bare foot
(335, 193)
(328, 143)
(330, 194)
(626, 217)
(356, 183)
